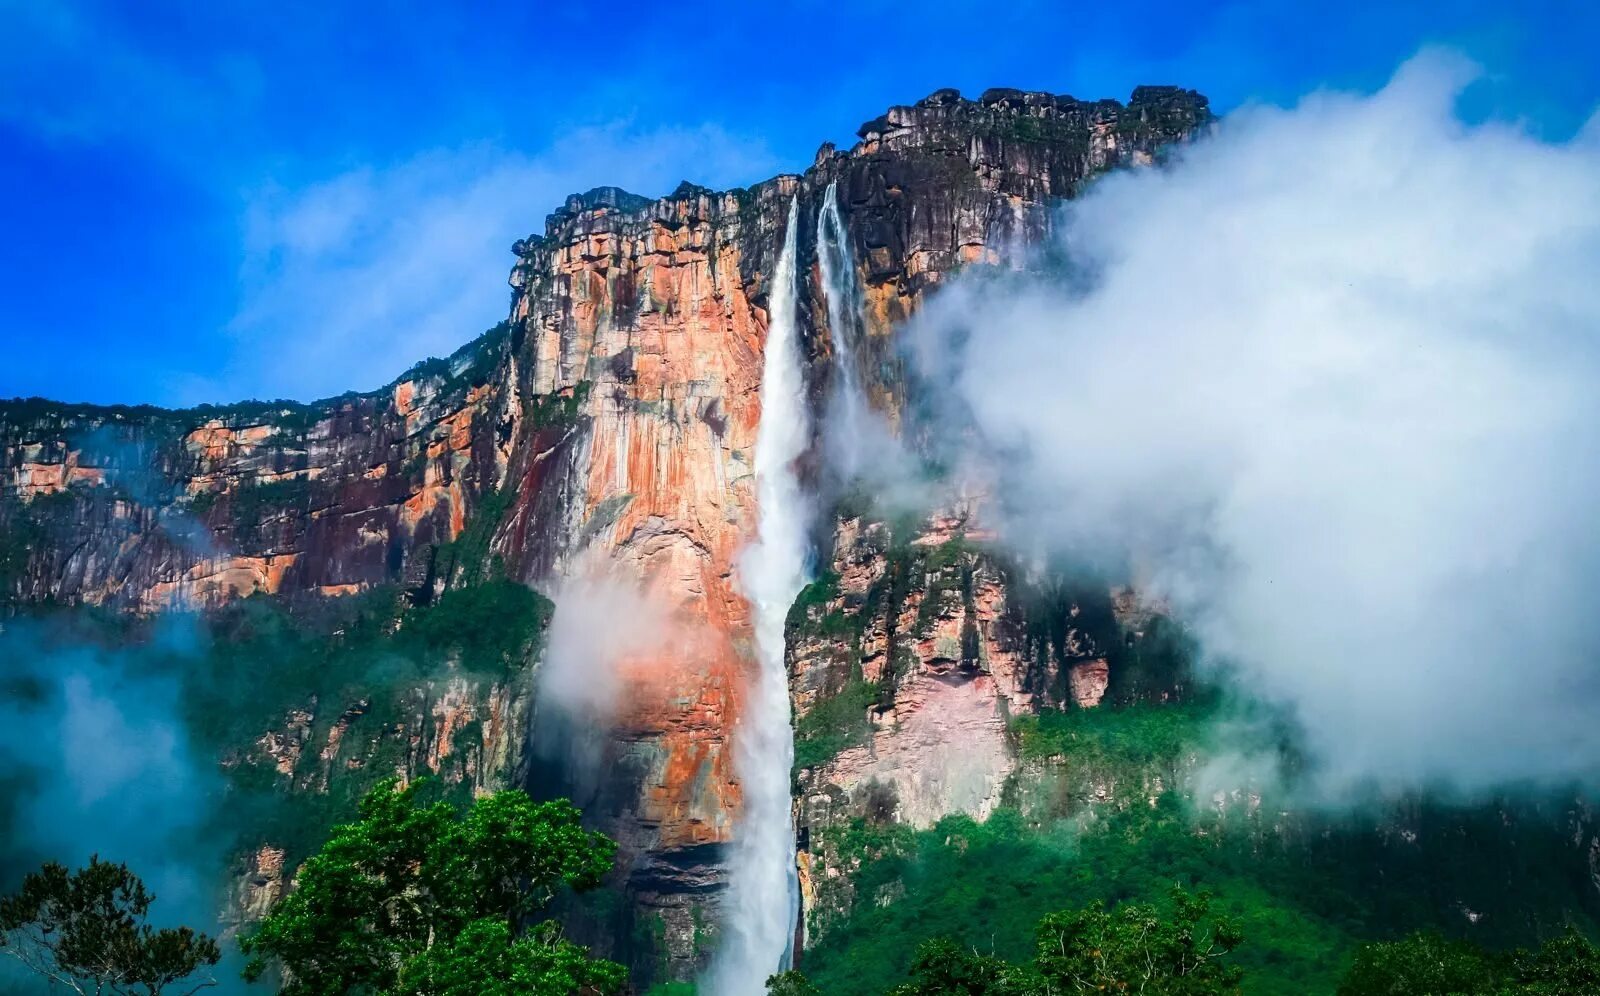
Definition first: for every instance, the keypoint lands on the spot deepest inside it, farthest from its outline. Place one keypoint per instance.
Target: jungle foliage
(421, 897)
(1094, 820)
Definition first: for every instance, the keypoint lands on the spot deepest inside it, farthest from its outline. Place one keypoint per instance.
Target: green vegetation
(88, 931)
(556, 409)
(417, 899)
(815, 595)
(791, 983)
(1098, 813)
(253, 503)
(1180, 949)
(140, 437)
(833, 724)
(20, 534)
(1026, 128)
(28, 528)
(838, 720)
(468, 366)
(1156, 668)
(1426, 964)
(265, 656)
(1137, 737)
(985, 885)
(1093, 757)
(365, 660)
(466, 560)
(1177, 947)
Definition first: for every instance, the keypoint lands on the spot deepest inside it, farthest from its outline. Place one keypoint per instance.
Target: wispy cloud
(357, 256)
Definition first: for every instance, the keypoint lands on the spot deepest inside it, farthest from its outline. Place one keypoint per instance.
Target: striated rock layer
(605, 428)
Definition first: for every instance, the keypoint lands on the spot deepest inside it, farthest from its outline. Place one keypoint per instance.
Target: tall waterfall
(763, 895)
(847, 422)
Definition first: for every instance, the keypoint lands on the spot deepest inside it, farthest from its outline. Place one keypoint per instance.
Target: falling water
(847, 403)
(763, 895)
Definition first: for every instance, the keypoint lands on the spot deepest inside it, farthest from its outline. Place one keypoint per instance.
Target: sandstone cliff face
(607, 428)
(464, 732)
(654, 312)
(149, 509)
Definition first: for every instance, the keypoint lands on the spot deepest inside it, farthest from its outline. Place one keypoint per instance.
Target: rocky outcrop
(606, 427)
(908, 660)
(258, 883)
(463, 730)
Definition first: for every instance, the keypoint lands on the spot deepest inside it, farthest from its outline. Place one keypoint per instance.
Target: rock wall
(908, 660)
(605, 428)
(149, 509)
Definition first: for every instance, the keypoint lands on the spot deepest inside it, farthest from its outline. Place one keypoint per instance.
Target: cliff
(607, 428)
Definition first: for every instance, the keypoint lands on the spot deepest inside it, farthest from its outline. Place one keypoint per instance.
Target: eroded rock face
(907, 661)
(464, 732)
(183, 509)
(610, 421)
(260, 882)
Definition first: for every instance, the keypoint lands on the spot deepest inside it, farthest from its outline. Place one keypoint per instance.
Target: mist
(1327, 383)
(604, 631)
(98, 762)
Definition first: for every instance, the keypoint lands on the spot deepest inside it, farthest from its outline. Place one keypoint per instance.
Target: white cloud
(349, 281)
(1333, 381)
(102, 766)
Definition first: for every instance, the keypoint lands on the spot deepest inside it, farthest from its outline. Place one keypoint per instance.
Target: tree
(487, 959)
(1559, 967)
(942, 967)
(1423, 964)
(791, 983)
(419, 898)
(1134, 948)
(88, 930)
(1426, 964)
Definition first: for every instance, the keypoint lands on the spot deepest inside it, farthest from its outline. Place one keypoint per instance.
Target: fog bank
(1329, 384)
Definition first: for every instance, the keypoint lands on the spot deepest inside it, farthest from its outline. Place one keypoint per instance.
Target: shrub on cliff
(417, 898)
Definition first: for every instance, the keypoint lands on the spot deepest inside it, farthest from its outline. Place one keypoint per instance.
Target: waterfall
(847, 421)
(763, 894)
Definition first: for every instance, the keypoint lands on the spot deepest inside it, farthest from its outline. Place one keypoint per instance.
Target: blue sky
(205, 202)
